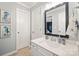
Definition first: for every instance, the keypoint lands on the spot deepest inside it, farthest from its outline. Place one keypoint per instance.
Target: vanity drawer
(45, 52)
(40, 51)
(34, 48)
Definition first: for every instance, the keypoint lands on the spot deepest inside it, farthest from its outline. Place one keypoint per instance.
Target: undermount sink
(71, 49)
(51, 43)
(60, 49)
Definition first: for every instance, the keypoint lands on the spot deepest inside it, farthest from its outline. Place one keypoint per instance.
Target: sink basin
(60, 49)
(51, 43)
(69, 48)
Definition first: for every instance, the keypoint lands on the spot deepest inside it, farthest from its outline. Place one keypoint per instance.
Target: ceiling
(30, 4)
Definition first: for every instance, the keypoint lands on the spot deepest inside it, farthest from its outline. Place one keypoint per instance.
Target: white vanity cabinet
(44, 47)
(35, 51)
(40, 51)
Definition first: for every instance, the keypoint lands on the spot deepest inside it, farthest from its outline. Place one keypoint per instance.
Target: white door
(23, 28)
(36, 23)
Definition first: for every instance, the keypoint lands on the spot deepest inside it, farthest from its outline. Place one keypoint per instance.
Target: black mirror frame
(67, 19)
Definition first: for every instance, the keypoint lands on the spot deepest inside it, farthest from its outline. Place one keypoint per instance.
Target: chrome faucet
(61, 40)
(46, 37)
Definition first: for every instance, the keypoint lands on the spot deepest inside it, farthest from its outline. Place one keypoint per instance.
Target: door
(36, 23)
(23, 28)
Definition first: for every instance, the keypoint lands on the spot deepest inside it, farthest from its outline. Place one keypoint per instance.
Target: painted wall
(37, 21)
(9, 44)
(72, 6)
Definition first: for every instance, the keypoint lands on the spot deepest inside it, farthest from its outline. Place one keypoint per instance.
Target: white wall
(72, 6)
(37, 21)
(9, 44)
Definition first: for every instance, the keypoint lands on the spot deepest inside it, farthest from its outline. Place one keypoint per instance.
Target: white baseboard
(10, 53)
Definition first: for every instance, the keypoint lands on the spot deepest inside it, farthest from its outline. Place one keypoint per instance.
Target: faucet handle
(63, 41)
(59, 40)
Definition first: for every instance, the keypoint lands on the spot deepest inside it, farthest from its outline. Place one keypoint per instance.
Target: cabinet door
(44, 51)
(39, 51)
(35, 51)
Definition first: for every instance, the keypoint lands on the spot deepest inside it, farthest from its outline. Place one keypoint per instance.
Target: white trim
(20, 3)
(10, 53)
(39, 5)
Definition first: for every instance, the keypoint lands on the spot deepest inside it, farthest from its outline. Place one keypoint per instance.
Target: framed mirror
(57, 20)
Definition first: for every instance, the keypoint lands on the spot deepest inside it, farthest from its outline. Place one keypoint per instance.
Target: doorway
(22, 28)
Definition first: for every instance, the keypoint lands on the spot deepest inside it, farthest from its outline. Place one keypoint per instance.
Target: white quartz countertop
(55, 47)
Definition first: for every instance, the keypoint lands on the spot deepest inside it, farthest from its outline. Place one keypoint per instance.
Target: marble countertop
(55, 47)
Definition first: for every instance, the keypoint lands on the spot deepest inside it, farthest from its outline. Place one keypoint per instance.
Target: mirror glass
(55, 20)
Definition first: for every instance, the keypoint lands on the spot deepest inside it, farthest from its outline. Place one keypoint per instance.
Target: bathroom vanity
(46, 47)
(56, 26)
(41, 49)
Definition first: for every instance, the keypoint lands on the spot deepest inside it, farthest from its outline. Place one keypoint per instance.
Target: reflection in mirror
(49, 24)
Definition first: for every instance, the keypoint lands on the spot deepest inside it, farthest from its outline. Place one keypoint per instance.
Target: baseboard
(10, 53)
